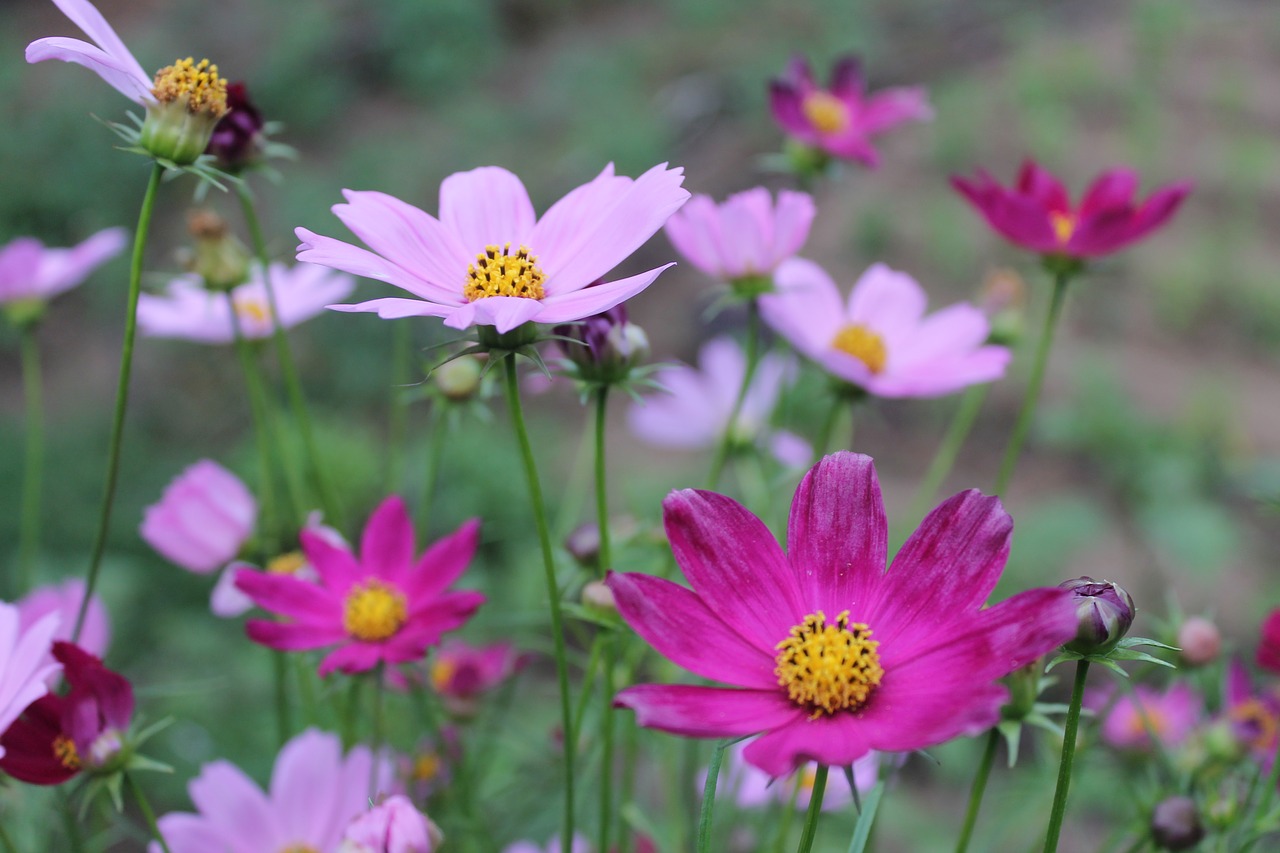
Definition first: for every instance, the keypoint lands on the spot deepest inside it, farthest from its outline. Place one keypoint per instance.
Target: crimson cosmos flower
(830, 655)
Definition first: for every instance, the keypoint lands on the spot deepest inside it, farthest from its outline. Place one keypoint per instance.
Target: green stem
(607, 716)
(398, 421)
(815, 809)
(350, 714)
(1023, 425)
(553, 591)
(280, 664)
(435, 453)
(1068, 755)
(122, 396)
(70, 822)
(379, 735)
(978, 789)
(753, 358)
(270, 519)
(709, 795)
(147, 813)
(602, 492)
(1273, 779)
(33, 470)
(945, 457)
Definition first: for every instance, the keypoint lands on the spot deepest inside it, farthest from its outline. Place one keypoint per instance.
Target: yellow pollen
(828, 667)
(826, 112)
(64, 749)
(1148, 718)
(497, 272)
(286, 564)
(1064, 225)
(426, 767)
(300, 848)
(373, 611)
(863, 344)
(441, 672)
(199, 83)
(1253, 711)
(253, 310)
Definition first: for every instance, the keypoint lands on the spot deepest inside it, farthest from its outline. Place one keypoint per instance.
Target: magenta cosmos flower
(315, 793)
(880, 340)
(1037, 214)
(746, 236)
(25, 664)
(63, 599)
(829, 655)
(488, 261)
(203, 518)
(383, 606)
(1171, 715)
(841, 119)
(30, 271)
(1268, 655)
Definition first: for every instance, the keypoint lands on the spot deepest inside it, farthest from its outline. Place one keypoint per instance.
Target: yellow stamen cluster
(863, 344)
(826, 112)
(1252, 712)
(497, 272)
(1064, 225)
(300, 848)
(1148, 720)
(198, 82)
(253, 310)
(286, 564)
(374, 611)
(426, 767)
(828, 667)
(64, 749)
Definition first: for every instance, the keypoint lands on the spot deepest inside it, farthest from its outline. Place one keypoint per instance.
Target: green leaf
(1012, 732)
(862, 829)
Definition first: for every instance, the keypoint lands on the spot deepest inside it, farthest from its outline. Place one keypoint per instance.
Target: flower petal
(836, 741)
(339, 255)
(396, 308)
(504, 313)
(695, 711)
(226, 797)
(444, 562)
(595, 300)
(410, 238)
(353, 657)
(486, 206)
(305, 783)
(291, 637)
(337, 567)
(116, 72)
(299, 600)
(386, 546)
(805, 308)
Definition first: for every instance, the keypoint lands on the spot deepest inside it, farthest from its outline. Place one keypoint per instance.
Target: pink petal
(305, 785)
(336, 254)
(805, 308)
(290, 637)
(396, 308)
(793, 217)
(445, 613)
(595, 300)
(286, 595)
(502, 312)
(64, 268)
(386, 547)
(353, 657)
(847, 81)
(694, 230)
(226, 797)
(944, 335)
(891, 107)
(889, 302)
(444, 562)
(695, 711)
(900, 720)
(1041, 185)
(337, 567)
(486, 206)
(192, 832)
(566, 228)
(91, 22)
(1111, 189)
(412, 239)
(786, 104)
(836, 741)
(944, 375)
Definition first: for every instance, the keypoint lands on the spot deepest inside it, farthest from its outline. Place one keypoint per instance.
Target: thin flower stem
(607, 716)
(280, 671)
(945, 457)
(1023, 425)
(1068, 755)
(398, 420)
(33, 468)
(602, 492)
(70, 822)
(270, 516)
(438, 431)
(122, 396)
(1273, 779)
(753, 358)
(379, 735)
(630, 755)
(978, 789)
(709, 795)
(815, 809)
(553, 591)
(351, 714)
(147, 814)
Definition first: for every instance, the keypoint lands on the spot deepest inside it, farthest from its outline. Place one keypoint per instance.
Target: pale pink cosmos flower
(1171, 715)
(64, 599)
(880, 339)
(107, 56)
(30, 271)
(189, 311)
(202, 520)
(747, 235)
(580, 845)
(752, 788)
(392, 826)
(26, 666)
(488, 260)
(315, 793)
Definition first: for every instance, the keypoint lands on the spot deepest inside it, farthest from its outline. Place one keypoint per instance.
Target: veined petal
(835, 741)
(444, 562)
(329, 252)
(305, 783)
(411, 239)
(115, 72)
(566, 307)
(396, 308)
(486, 206)
(86, 16)
(386, 546)
(695, 711)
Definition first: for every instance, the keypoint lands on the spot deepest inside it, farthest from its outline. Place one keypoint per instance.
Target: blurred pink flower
(745, 236)
(753, 788)
(30, 271)
(1037, 213)
(695, 411)
(228, 602)
(64, 600)
(190, 311)
(909, 657)
(26, 665)
(315, 793)
(460, 672)
(392, 826)
(580, 845)
(202, 520)
(488, 261)
(1253, 715)
(1268, 655)
(107, 56)
(1171, 714)
(841, 119)
(881, 341)
(384, 606)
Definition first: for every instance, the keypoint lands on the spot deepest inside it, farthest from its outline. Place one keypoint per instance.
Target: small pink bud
(1200, 641)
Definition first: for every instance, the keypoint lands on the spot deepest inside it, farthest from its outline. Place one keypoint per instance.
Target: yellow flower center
(1253, 713)
(198, 82)
(64, 749)
(828, 667)
(1148, 719)
(286, 564)
(441, 672)
(373, 611)
(300, 848)
(426, 767)
(1064, 225)
(826, 112)
(497, 272)
(252, 309)
(863, 344)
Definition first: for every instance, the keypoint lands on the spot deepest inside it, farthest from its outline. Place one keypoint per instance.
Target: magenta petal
(1040, 185)
(289, 596)
(1111, 189)
(486, 206)
(337, 566)
(847, 81)
(386, 546)
(836, 741)
(891, 107)
(786, 105)
(596, 300)
(686, 631)
(445, 613)
(694, 711)
(353, 657)
(899, 720)
(444, 562)
(291, 637)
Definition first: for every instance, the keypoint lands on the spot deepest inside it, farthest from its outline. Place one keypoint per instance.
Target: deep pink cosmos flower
(880, 340)
(315, 793)
(1253, 715)
(841, 119)
(1037, 213)
(1171, 715)
(1269, 643)
(30, 271)
(488, 260)
(188, 310)
(25, 665)
(203, 518)
(830, 655)
(745, 236)
(461, 673)
(383, 606)
(63, 599)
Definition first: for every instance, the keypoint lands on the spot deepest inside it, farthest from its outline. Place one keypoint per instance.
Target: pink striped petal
(695, 711)
(486, 206)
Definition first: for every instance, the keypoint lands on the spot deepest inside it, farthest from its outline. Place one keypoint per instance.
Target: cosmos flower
(745, 236)
(829, 655)
(752, 788)
(64, 599)
(25, 665)
(880, 340)
(392, 826)
(1171, 715)
(238, 139)
(841, 119)
(315, 793)
(30, 271)
(228, 602)
(202, 520)
(580, 845)
(488, 261)
(1037, 214)
(461, 673)
(1253, 715)
(1268, 655)
(382, 606)
(189, 311)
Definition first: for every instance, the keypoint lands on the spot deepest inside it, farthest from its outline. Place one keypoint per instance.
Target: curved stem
(33, 468)
(607, 716)
(553, 590)
(815, 809)
(753, 358)
(1023, 425)
(1068, 755)
(122, 396)
(945, 457)
(149, 815)
(978, 789)
(709, 796)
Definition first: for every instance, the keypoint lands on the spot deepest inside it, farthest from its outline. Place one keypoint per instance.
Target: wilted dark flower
(1175, 824)
(237, 139)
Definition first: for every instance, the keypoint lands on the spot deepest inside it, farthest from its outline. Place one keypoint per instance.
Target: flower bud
(392, 826)
(459, 379)
(237, 139)
(190, 100)
(1200, 641)
(583, 544)
(1105, 612)
(220, 259)
(605, 347)
(1024, 690)
(598, 596)
(1175, 824)
(1003, 299)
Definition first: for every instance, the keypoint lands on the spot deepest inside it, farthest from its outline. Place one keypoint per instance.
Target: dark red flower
(1269, 644)
(237, 138)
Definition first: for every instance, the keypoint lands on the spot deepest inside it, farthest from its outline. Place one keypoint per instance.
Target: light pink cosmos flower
(202, 520)
(1171, 715)
(107, 56)
(64, 599)
(829, 655)
(30, 271)
(580, 845)
(747, 235)
(188, 310)
(695, 411)
(315, 793)
(880, 340)
(841, 119)
(26, 666)
(383, 606)
(752, 788)
(392, 826)
(488, 261)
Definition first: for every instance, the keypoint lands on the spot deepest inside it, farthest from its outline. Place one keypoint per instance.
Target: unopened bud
(1024, 689)
(583, 544)
(1200, 641)
(605, 346)
(1105, 613)
(597, 595)
(220, 259)
(237, 139)
(1175, 824)
(459, 379)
